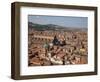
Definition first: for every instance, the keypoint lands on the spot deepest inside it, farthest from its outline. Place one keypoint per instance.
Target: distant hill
(53, 27)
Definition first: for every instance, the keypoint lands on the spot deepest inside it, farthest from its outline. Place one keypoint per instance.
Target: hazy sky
(67, 21)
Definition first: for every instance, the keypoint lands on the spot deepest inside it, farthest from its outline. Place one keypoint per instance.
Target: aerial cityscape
(56, 41)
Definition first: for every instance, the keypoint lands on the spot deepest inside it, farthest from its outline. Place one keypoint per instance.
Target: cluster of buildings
(42, 51)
